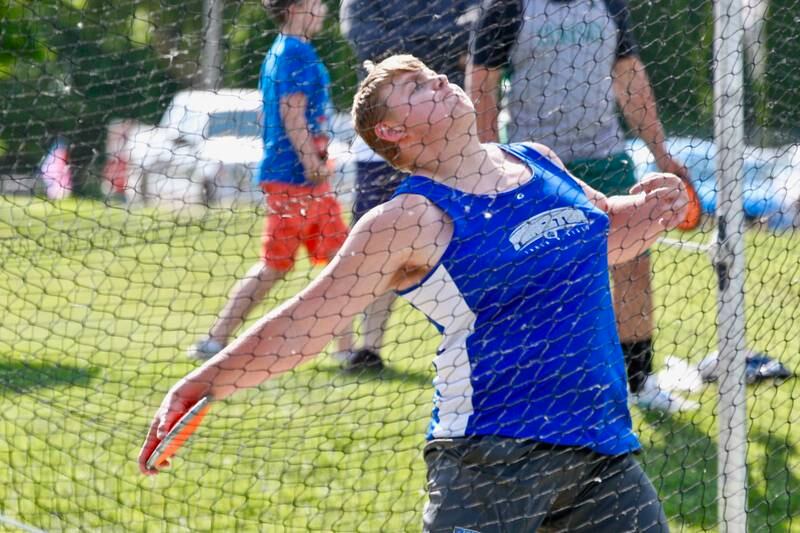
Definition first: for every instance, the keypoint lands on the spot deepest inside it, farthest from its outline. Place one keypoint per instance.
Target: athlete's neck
(482, 169)
(452, 158)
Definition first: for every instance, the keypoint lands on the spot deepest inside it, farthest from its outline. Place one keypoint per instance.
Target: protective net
(139, 140)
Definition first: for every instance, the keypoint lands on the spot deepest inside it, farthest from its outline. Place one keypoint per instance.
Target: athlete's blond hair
(369, 104)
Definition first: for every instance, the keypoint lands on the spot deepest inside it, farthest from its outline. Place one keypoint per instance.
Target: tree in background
(70, 67)
(676, 38)
(94, 67)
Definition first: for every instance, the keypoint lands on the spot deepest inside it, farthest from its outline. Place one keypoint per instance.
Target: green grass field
(101, 302)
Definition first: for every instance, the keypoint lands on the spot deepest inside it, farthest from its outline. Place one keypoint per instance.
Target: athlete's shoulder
(535, 150)
(409, 228)
(404, 211)
(595, 196)
(535, 153)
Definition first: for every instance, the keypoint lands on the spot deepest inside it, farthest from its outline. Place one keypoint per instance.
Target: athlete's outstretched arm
(390, 240)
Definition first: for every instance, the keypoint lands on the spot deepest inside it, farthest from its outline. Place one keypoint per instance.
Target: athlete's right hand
(181, 397)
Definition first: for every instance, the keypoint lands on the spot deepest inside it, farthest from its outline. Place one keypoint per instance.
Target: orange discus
(179, 434)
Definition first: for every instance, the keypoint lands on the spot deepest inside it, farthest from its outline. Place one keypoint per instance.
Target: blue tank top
(521, 297)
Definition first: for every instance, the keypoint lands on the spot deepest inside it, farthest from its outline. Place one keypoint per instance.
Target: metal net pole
(211, 54)
(730, 266)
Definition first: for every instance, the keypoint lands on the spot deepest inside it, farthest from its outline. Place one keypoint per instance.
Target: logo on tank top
(551, 224)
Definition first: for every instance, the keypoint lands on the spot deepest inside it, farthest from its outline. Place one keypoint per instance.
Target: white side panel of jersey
(439, 298)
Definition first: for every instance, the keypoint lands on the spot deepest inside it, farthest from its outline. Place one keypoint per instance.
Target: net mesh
(129, 210)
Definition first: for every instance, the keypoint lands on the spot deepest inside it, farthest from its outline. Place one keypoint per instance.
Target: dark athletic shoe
(759, 367)
(364, 360)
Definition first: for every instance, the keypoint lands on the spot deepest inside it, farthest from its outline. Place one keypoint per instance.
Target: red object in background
(118, 155)
(321, 142)
(115, 172)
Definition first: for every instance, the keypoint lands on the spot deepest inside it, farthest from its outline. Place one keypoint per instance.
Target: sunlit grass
(101, 302)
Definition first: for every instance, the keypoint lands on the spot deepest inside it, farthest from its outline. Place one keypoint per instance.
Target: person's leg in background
(376, 181)
(247, 293)
(280, 240)
(633, 306)
(325, 230)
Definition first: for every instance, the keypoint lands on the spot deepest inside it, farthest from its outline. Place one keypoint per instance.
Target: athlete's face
(422, 102)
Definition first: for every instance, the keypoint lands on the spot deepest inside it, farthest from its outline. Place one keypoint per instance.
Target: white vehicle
(206, 150)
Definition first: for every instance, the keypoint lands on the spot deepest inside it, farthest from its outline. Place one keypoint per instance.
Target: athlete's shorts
(494, 484)
(611, 175)
(298, 214)
(376, 182)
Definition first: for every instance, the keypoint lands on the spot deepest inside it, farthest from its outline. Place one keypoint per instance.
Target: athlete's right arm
(391, 242)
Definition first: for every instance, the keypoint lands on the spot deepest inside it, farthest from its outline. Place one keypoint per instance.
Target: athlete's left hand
(667, 195)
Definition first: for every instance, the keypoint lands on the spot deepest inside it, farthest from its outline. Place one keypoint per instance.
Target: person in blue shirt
(294, 173)
(507, 255)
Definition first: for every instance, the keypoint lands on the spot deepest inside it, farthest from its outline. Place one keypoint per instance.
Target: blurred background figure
(55, 171)
(116, 168)
(294, 173)
(437, 32)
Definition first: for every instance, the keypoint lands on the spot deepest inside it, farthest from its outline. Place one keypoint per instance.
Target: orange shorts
(299, 214)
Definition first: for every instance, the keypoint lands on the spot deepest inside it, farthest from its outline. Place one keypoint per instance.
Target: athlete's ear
(389, 133)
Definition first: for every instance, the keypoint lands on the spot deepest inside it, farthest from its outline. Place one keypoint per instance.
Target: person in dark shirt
(573, 67)
(436, 31)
